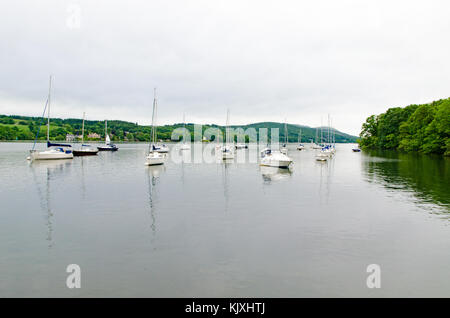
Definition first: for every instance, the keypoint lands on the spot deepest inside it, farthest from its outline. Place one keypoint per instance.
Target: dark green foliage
(25, 128)
(423, 128)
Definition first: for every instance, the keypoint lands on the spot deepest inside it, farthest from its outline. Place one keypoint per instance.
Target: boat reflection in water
(270, 174)
(154, 173)
(44, 173)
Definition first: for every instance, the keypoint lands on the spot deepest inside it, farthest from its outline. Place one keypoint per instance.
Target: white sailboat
(300, 145)
(154, 157)
(85, 150)
(284, 148)
(108, 145)
(227, 150)
(54, 151)
(185, 146)
(315, 145)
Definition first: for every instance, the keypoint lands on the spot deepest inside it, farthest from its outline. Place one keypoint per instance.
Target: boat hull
(154, 159)
(82, 153)
(50, 155)
(107, 148)
(276, 163)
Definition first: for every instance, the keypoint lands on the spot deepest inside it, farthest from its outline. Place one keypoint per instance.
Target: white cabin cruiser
(274, 159)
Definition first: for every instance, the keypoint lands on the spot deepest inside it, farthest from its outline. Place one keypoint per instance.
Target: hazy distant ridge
(16, 127)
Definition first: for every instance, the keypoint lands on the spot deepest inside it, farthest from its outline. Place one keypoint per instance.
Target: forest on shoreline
(421, 128)
(16, 128)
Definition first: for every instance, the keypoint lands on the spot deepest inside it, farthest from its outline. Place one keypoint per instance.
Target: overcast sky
(264, 60)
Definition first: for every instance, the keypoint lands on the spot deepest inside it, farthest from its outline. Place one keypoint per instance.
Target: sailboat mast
(82, 131)
(153, 133)
(106, 129)
(285, 132)
(227, 130)
(48, 111)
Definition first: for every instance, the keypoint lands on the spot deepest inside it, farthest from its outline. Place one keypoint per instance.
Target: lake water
(224, 230)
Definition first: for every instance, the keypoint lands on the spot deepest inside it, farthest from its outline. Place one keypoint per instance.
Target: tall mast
(106, 129)
(328, 138)
(321, 130)
(227, 132)
(153, 135)
(285, 132)
(82, 131)
(184, 127)
(48, 111)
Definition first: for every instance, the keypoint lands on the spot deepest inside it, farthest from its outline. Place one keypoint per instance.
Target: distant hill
(25, 128)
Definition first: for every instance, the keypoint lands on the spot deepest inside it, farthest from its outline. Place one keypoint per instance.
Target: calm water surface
(224, 230)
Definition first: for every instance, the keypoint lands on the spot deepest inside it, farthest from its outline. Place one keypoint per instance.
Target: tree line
(422, 128)
(27, 128)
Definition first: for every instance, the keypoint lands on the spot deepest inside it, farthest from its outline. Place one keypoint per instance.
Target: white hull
(154, 158)
(322, 156)
(275, 159)
(185, 147)
(49, 155)
(275, 163)
(161, 149)
(226, 156)
(284, 151)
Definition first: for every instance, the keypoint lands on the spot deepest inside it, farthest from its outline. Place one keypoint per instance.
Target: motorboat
(272, 158)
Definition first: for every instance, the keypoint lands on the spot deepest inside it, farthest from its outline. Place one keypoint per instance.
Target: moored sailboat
(154, 157)
(227, 150)
(184, 145)
(108, 145)
(54, 151)
(85, 150)
(300, 145)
